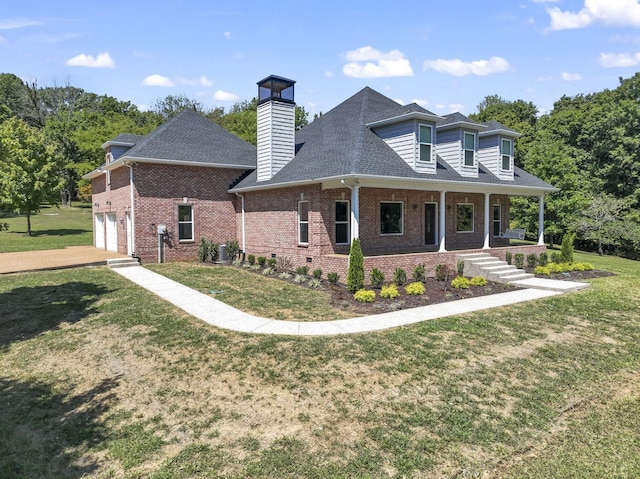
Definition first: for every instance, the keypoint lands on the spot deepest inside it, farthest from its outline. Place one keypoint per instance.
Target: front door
(112, 232)
(431, 223)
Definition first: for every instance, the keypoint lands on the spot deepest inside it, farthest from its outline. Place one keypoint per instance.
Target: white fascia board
(462, 124)
(116, 143)
(126, 160)
(414, 115)
(94, 174)
(510, 133)
(275, 186)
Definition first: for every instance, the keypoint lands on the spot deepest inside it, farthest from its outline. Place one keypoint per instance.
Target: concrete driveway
(54, 259)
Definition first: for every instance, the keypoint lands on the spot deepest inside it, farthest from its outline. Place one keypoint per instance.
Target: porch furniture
(514, 233)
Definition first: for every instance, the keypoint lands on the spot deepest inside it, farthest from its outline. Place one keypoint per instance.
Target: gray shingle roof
(191, 137)
(494, 126)
(340, 144)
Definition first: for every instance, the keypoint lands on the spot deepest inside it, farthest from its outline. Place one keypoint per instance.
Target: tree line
(588, 146)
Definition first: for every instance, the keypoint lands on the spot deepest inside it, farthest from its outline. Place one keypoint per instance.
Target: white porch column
(541, 222)
(441, 228)
(355, 212)
(487, 221)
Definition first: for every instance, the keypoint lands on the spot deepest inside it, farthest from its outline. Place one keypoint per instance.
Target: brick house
(415, 187)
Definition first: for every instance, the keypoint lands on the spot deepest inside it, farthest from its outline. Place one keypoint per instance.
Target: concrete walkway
(224, 316)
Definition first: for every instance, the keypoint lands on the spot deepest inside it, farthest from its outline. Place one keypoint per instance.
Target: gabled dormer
(117, 147)
(457, 143)
(496, 149)
(410, 131)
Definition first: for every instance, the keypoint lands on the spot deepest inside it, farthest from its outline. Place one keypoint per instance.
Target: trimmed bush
(555, 257)
(478, 281)
(214, 252)
(442, 272)
(416, 288)
(390, 291)
(333, 277)
(272, 262)
(460, 282)
(582, 267)
(419, 273)
(399, 277)
(251, 259)
(508, 257)
(365, 295)
(261, 260)
(317, 273)
(542, 270)
(460, 267)
(232, 249)
(376, 277)
(566, 250)
(355, 276)
(302, 270)
(543, 259)
(532, 260)
(518, 260)
(203, 250)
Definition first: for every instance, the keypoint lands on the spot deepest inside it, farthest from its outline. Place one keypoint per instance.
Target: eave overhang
(414, 115)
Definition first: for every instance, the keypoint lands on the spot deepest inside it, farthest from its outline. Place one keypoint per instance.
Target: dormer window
(506, 154)
(469, 147)
(426, 143)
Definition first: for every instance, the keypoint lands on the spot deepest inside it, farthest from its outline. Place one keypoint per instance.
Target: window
(507, 152)
(426, 140)
(342, 222)
(391, 218)
(185, 223)
(469, 149)
(497, 220)
(464, 218)
(303, 222)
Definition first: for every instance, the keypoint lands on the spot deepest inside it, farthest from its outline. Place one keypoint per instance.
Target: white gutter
(133, 215)
(244, 237)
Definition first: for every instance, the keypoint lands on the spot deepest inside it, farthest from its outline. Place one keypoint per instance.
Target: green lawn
(101, 378)
(52, 228)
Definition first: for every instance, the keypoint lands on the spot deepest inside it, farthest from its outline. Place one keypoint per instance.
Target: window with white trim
(342, 222)
(185, 223)
(469, 147)
(497, 220)
(391, 217)
(507, 153)
(425, 137)
(464, 217)
(303, 222)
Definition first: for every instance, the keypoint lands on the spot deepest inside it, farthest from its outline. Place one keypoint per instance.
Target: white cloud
(367, 62)
(328, 73)
(157, 80)
(422, 103)
(609, 12)
(611, 60)
(201, 81)
(12, 23)
(566, 76)
(102, 60)
(227, 35)
(204, 81)
(459, 68)
(224, 96)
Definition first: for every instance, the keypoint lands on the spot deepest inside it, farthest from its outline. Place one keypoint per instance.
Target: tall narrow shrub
(566, 250)
(355, 276)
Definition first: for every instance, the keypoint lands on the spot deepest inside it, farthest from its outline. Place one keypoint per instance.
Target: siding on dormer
(402, 137)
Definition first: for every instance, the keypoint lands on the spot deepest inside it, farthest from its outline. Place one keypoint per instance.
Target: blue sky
(444, 55)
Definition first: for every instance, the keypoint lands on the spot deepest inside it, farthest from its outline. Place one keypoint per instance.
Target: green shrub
(203, 250)
(478, 281)
(315, 283)
(518, 260)
(416, 288)
(542, 270)
(460, 267)
(543, 259)
(284, 275)
(272, 262)
(581, 267)
(232, 249)
(261, 260)
(333, 277)
(365, 295)
(532, 260)
(268, 270)
(390, 291)
(302, 270)
(317, 273)
(299, 278)
(251, 258)
(399, 277)
(355, 276)
(508, 257)
(214, 252)
(377, 278)
(442, 272)
(566, 250)
(460, 282)
(555, 257)
(419, 273)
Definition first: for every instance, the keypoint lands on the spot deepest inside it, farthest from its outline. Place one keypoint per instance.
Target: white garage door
(99, 230)
(112, 232)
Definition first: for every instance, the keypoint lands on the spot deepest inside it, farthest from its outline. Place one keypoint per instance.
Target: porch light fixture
(96, 204)
(109, 203)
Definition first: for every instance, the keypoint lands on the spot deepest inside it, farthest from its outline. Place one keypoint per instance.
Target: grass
(51, 228)
(101, 378)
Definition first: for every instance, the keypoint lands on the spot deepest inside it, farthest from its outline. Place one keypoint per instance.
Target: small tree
(566, 250)
(30, 169)
(355, 275)
(603, 221)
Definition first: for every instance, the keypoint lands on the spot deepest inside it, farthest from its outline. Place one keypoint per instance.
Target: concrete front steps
(492, 268)
(122, 262)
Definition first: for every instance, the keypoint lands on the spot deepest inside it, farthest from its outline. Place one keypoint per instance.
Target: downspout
(133, 216)
(355, 209)
(244, 238)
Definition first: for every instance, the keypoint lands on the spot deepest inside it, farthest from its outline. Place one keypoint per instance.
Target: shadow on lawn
(27, 312)
(55, 232)
(45, 431)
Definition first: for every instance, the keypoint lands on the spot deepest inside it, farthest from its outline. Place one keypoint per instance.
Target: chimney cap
(275, 88)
